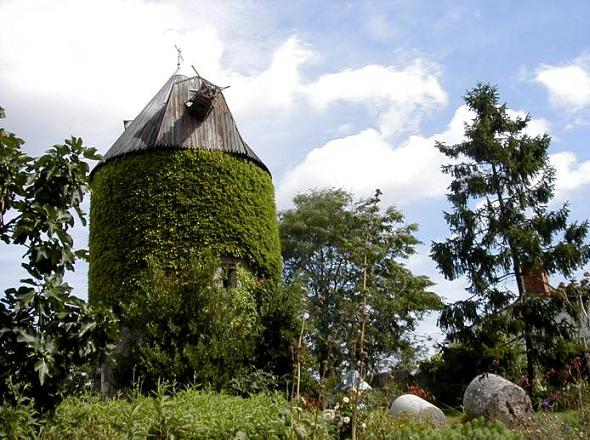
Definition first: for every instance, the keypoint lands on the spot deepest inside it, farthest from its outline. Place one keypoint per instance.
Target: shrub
(279, 309)
(185, 326)
(252, 382)
(448, 373)
(417, 390)
(19, 418)
(379, 398)
(186, 415)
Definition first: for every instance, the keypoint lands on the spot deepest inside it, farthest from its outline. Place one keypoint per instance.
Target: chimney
(536, 283)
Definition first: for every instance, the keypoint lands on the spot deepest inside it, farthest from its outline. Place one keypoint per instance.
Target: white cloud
(571, 175)
(538, 127)
(406, 172)
(375, 83)
(400, 95)
(106, 53)
(275, 87)
(103, 56)
(456, 129)
(568, 85)
(397, 97)
(365, 161)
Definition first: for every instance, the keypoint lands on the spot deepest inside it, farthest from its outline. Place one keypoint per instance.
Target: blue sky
(328, 93)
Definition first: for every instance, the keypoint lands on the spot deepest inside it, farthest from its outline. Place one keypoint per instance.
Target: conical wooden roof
(187, 113)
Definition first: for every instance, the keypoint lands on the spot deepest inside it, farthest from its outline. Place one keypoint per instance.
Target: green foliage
(19, 420)
(185, 414)
(379, 398)
(558, 426)
(279, 309)
(168, 204)
(13, 177)
(345, 414)
(381, 426)
(190, 414)
(45, 331)
(577, 295)
(447, 374)
(168, 423)
(309, 424)
(324, 241)
(502, 230)
(556, 322)
(185, 326)
(252, 382)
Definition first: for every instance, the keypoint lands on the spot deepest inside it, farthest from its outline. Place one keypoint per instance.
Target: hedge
(168, 205)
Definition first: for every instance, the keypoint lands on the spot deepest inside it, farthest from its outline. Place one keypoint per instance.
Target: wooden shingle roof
(170, 120)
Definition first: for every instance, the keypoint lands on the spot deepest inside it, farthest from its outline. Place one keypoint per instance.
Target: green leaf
(40, 196)
(27, 338)
(42, 368)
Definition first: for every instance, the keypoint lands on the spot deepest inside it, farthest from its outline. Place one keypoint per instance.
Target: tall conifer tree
(501, 228)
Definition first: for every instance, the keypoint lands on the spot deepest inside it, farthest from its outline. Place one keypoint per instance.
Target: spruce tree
(501, 227)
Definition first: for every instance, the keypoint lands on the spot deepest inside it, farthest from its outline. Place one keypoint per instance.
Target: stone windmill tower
(179, 179)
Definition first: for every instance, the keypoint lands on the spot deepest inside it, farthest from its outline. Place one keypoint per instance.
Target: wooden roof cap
(186, 113)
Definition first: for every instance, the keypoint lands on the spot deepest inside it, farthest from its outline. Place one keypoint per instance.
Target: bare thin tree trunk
(361, 341)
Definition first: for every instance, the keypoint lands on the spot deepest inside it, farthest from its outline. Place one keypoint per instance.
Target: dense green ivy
(170, 204)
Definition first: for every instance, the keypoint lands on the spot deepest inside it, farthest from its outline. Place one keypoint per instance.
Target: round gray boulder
(495, 398)
(418, 408)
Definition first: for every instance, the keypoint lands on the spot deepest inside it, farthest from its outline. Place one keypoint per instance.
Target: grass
(557, 426)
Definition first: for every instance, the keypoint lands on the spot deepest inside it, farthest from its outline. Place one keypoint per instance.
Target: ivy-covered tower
(179, 179)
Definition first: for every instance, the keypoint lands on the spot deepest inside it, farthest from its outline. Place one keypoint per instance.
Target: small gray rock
(495, 398)
(417, 408)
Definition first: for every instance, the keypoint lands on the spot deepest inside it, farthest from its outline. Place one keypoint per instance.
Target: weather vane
(179, 58)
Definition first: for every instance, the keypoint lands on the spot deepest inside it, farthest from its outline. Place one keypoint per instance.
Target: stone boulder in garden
(417, 408)
(495, 398)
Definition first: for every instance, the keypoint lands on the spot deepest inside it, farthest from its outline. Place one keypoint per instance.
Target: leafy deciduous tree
(44, 329)
(325, 243)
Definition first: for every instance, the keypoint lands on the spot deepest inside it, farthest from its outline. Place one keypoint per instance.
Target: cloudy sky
(351, 94)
